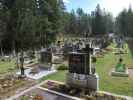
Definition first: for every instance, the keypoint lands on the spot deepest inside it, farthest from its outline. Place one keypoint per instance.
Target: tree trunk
(22, 63)
(2, 53)
(17, 61)
(14, 51)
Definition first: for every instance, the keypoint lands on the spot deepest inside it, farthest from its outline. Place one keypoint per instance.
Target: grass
(58, 76)
(6, 66)
(118, 85)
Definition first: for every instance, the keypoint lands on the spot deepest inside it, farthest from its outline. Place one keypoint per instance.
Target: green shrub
(62, 67)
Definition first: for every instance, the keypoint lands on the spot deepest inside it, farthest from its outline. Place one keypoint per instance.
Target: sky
(113, 6)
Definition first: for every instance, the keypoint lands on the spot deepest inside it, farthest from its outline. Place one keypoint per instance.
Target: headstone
(78, 63)
(67, 48)
(46, 59)
(120, 69)
(46, 56)
(80, 74)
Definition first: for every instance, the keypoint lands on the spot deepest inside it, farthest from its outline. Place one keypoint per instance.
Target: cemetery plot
(120, 69)
(40, 93)
(10, 85)
(104, 67)
(60, 87)
(43, 68)
(37, 72)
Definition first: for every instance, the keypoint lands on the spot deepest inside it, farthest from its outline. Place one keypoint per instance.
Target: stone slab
(88, 82)
(39, 75)
(120, 74)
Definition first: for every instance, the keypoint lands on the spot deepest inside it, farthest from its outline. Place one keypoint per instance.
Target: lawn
(58, 76)
(6, 66)
(118, 85)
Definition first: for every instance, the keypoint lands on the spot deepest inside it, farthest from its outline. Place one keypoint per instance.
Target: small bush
(3, 59)
(62, 67)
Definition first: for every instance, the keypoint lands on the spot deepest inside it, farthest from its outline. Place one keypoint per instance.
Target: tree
(2, 27)
(124, 22)
(98, 22)
(109, 22)
(121, 22)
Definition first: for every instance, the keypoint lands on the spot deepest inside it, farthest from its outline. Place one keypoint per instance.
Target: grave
(57, 55)
(46, 58)
(120, 69)
(10, 84)
(66, 49)
(80, 73)
(54, 90)
(44, 68)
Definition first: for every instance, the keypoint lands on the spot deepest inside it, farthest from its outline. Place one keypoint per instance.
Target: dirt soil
(15, 89)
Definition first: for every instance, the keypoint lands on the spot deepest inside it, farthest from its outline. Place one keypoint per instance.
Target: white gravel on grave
(39, 75)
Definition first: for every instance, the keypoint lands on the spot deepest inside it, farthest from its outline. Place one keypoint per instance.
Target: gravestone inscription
(77, 63)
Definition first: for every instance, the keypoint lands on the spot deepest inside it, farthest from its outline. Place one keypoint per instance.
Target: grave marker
(80, 75)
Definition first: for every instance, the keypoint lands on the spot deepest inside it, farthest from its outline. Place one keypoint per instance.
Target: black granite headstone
(46, 56)
(78, 63)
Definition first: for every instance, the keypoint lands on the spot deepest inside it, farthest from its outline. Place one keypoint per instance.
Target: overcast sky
(114, 6)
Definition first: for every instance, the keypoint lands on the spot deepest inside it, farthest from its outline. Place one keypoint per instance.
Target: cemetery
(48, 52)
(67, 81)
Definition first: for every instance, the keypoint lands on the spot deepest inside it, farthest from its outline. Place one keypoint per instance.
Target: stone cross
(89, 50)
